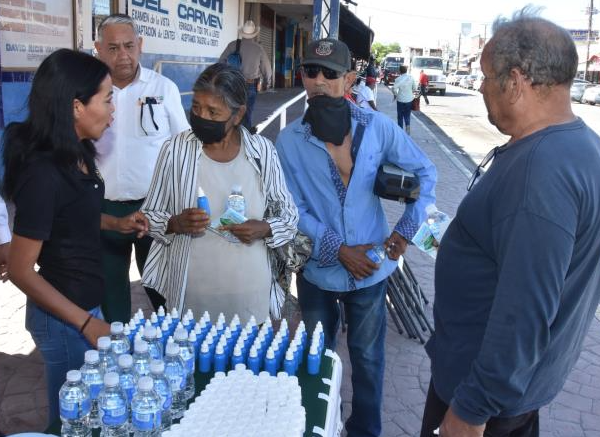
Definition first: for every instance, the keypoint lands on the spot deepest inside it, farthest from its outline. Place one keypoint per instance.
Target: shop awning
(356, 34)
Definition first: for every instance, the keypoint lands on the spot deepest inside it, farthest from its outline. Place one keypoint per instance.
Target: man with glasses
(330, 157)
(148, 111)
(517, 274)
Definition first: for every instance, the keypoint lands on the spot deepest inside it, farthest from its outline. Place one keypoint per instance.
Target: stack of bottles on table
(140, 378)
(245, 404)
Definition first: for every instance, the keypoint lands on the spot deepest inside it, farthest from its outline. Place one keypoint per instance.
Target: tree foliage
(381, 50)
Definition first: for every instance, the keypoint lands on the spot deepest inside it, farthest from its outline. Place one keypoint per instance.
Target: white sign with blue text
(199, 28)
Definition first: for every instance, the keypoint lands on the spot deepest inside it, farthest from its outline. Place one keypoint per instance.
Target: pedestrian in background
(423, 84)
(365, 96)
(404, 92)
(57, 190)
(255, 65)
(148, 112)
(330, 158)
(517, 276)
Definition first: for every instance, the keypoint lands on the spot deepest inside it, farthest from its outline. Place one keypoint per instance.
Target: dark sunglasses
(484, 162)
(312, 71)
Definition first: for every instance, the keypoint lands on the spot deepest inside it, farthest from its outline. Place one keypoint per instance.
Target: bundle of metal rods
(405, 303)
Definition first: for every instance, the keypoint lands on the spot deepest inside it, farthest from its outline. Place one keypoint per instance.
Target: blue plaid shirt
(332, 214)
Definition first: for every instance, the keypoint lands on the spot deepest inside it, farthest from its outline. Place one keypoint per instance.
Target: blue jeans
(366, 316)
(62, 347)
(403, 110)
(252, 91)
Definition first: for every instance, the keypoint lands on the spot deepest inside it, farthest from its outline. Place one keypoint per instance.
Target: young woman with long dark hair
(52, 179)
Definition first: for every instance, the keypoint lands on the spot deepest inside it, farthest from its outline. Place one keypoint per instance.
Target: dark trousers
(116, 259)
(252, 90)
(524, 425)
(403, 110)
(423, 92)
(365, 313)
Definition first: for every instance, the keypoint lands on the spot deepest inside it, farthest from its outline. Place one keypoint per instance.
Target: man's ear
(516, 84)
(349, 80)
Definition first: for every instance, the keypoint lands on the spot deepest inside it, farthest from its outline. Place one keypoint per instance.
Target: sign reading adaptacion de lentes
(200, 28)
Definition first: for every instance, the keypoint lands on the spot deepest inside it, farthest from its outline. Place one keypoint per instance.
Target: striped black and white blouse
(173, 189)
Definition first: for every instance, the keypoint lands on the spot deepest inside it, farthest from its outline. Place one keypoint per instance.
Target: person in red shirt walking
(423, 83)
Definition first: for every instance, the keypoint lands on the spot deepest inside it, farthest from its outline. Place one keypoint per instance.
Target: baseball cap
(329, 53)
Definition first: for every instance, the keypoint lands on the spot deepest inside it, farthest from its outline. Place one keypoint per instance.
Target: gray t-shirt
(255, 63)
(518, 276)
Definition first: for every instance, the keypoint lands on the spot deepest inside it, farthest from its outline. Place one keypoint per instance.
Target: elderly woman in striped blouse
(195, 268)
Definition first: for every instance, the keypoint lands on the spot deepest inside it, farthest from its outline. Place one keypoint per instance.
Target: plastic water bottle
(175, 373)
(145, 410)
(112, 404)
(118, 341)
(376, 254)
(155, 348)
(163, 389)
(108, 360)
(186, 352)
(92, 376)
(236, 200)
(202, 201)
(438, 222)
(127, 377)
(75, 406)
(141, 359)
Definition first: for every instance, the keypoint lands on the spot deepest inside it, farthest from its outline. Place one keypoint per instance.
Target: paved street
(575, 413)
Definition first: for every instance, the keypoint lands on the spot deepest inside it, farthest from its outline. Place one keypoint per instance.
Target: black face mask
(208, 131)
(329, 118)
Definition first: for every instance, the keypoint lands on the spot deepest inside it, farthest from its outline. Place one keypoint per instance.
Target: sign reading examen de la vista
(200, 28)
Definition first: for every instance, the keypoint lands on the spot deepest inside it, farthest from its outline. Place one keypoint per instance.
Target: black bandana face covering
(329, 118)
(208, 131)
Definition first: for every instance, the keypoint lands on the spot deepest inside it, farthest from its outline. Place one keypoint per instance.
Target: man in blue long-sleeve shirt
(331, 174)
(517, 276)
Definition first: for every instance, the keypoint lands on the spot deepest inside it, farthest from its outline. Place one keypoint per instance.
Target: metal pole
(458, 53)
(589, 38)
(334, 18)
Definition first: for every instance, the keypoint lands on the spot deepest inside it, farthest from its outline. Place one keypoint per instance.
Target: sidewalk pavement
(574, 413)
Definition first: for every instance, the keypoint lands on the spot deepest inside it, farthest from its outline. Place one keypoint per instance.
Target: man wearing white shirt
(148, 112)
(4, 240)
(403, 89)
(365, 97)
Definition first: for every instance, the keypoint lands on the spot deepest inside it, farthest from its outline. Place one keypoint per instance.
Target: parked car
(456, 76)
(477, 82)
(591, 95)
(467, 81)
(578, 88)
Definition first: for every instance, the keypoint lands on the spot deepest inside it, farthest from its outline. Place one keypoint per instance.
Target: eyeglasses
(484, 162)
(312, 71)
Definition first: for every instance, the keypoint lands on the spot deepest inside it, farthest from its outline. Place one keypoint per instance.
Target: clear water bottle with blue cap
(146, 412)
(162, 387)
(75, 406)
(236, 200)
(175, 373)
(92, 376)
(113, 408)
(127, 376)
(155, 348)
(118, 340)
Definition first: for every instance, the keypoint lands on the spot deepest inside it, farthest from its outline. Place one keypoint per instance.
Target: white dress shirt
(128, 149)
(4, 229)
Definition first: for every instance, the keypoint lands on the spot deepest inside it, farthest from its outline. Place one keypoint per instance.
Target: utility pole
(591, 13)
(458, 53)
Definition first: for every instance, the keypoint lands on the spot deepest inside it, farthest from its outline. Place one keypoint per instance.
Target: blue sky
(409, 22)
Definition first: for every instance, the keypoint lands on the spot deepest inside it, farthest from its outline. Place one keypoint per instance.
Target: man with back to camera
(331, 173)
(148, 111)
(255, 65)
(517, 276)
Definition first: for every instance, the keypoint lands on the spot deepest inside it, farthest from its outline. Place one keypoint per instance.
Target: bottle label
(189, 365)
(146, 421)
(177, 382)
(95, 390)
(72, 410)
(114, 416)
(166, 397)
